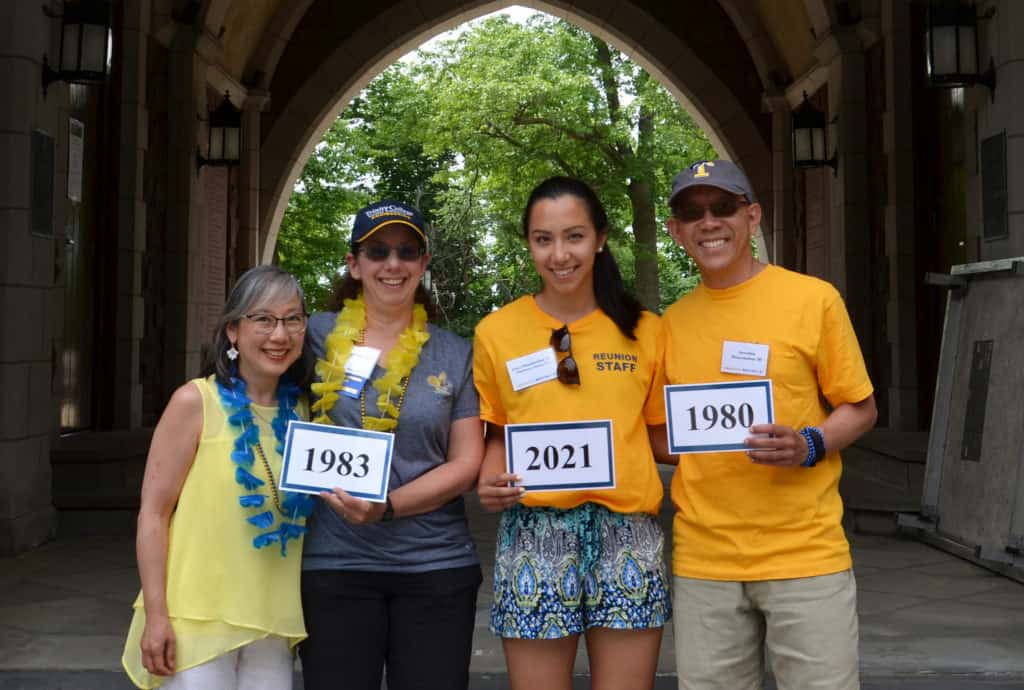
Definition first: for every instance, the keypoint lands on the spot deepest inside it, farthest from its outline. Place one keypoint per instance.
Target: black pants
(418, 625)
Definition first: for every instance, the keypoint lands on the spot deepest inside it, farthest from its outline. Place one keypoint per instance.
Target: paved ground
(928, 619)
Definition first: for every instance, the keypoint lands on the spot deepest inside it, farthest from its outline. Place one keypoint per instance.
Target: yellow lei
(348, 330)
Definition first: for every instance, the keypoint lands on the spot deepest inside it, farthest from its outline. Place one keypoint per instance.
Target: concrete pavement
(928, 619)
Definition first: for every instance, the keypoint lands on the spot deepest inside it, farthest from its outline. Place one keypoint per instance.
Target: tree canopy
(467, 128)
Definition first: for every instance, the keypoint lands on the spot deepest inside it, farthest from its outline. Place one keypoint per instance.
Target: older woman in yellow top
(218, 545)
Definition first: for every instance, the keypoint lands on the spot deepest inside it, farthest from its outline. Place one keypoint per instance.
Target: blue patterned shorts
(559, 572)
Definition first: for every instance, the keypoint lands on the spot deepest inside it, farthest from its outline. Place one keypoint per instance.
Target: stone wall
(28, 256)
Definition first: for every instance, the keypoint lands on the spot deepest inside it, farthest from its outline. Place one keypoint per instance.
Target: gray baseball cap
(722, 174)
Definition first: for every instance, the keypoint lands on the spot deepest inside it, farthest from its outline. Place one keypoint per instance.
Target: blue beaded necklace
(295, 507)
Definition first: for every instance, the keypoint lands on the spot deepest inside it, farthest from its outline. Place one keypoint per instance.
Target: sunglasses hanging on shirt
(568, 372)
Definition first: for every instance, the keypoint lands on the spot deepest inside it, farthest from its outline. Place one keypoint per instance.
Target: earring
(600, 249)
(232, 353)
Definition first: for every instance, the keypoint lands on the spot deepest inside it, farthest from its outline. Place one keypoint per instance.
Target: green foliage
(467, 128)
(313, 239)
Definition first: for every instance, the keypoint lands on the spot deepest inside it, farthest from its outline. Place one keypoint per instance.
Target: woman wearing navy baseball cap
(393, 585)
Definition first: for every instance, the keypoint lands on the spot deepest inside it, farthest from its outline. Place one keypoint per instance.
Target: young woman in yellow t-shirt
(579, 557)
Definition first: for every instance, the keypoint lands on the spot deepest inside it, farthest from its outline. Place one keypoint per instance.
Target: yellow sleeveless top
(222, 593)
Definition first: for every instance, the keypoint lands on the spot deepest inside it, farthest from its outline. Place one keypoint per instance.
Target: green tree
(468, 127)
(313, 238)
(365, 156)
(528, 101)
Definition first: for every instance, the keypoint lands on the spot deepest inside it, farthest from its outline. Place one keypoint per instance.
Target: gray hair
(256, 287)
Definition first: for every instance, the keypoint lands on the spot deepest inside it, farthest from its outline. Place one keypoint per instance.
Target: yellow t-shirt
(222, 592)
(739, 521)
(621, 380)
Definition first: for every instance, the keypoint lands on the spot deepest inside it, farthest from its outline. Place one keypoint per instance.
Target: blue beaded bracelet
(815, 445)
(819, 442)
(812, 455)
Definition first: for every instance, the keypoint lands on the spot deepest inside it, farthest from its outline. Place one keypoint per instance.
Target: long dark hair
(620, 306)
(258, 285)
(347, 287)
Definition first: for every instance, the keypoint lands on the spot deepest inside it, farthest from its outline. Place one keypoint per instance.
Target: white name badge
(319, 457)
(561, 456)
(716, 417)
(529, 370)
(744, 358)
(362, 360)
(358, 367)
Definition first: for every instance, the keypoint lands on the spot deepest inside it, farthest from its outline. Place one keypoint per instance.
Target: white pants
(265, 664)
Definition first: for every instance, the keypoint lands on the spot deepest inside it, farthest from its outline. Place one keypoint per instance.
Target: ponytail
(620, 306)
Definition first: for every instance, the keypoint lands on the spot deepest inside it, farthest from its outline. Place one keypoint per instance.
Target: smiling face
(563, 243)
(391, 282)
(267, 355)
(719, 243)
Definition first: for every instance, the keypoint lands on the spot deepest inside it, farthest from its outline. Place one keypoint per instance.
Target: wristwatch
(389, 510)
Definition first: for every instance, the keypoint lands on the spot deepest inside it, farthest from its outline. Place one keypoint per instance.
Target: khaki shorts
(807, 626)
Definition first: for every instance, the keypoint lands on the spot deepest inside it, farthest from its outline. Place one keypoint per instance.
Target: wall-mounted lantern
(84, 44)
(225, 136)
(809, 138)
(951, 42)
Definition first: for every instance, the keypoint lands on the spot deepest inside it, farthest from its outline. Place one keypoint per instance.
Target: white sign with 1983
(319, 457)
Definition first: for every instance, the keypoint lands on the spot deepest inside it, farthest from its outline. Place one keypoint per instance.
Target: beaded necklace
(295, 507)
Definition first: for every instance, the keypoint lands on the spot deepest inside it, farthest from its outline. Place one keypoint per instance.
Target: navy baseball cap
(375, 216)
(722, 174)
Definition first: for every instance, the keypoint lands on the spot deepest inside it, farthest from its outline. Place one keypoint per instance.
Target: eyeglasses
(723, 208)
(568, 372)
(265, 324)
(381, 252)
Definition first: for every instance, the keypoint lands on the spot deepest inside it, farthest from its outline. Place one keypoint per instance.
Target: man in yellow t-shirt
(759, 556)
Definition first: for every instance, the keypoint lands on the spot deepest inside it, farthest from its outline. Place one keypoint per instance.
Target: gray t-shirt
(440, 391)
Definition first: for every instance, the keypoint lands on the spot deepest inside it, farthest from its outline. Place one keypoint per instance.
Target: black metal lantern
(84, 44)
(809, 137)
(225, 136)
(951, 41)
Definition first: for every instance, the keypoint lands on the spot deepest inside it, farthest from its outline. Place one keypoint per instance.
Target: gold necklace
(270, 476)
(398, 407)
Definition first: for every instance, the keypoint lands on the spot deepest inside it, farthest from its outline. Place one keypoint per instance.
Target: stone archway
(298, 126)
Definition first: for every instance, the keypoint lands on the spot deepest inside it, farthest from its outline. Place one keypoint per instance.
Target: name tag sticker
(319, 457)
(358, 367)
(529, 370)
(744, 358)
(716, 417)
(561, 456)
(362, 360)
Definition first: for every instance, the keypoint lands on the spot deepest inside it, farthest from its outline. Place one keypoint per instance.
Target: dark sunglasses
(568, 372)
(723, 208)
(381, 252)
